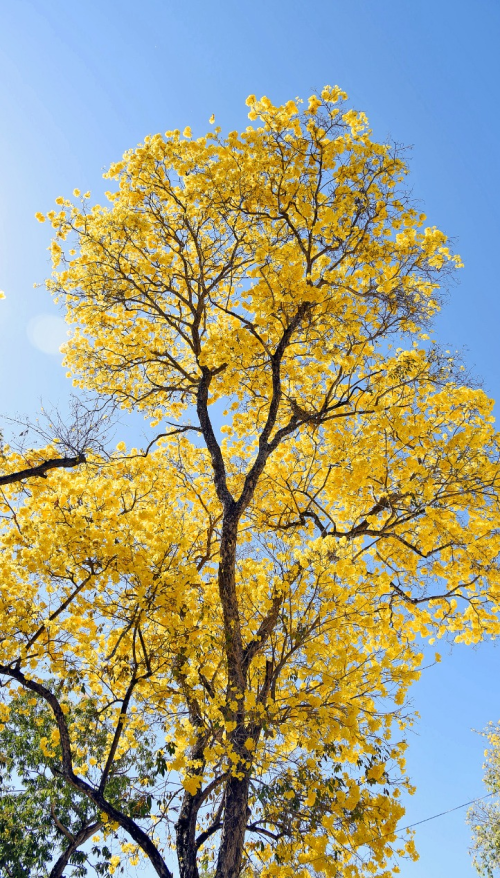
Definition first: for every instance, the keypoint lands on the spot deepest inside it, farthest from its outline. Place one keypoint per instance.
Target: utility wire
(412, 825)
(442, 813)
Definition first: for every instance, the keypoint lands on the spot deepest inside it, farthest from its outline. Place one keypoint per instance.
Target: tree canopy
(249, 593)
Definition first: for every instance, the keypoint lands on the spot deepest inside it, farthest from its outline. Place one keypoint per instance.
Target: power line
(412, 825)
(442, 813)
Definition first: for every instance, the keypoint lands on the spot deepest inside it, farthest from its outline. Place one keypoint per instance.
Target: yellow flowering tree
(322, 492)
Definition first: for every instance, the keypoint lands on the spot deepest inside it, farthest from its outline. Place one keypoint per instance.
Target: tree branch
(42, 468)
(76, 841)
(118, 733)
(213, 446)
(266, 447)
(207, 833)
(266, 627)
(69, 835)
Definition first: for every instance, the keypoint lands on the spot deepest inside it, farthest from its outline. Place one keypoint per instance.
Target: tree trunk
(185, 831)
(233, 832)
(229, 601)
(235, 811)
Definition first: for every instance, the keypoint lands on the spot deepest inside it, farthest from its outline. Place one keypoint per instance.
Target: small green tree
(44, 822)
(484, 816)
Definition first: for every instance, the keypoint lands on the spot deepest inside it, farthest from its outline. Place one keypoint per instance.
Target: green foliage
(40, 812)
(484, 817)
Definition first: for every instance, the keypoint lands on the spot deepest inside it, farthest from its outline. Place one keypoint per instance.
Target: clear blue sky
(82, 82)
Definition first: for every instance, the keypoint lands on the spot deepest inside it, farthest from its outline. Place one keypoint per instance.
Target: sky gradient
(83, 82)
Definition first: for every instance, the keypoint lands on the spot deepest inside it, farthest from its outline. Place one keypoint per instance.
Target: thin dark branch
(117, 735)
(207, 833)
(69, 835)
(76, 841)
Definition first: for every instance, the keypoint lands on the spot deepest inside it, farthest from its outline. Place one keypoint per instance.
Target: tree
(44, 821)
(253, 597)
(484, 816)
(55, 832)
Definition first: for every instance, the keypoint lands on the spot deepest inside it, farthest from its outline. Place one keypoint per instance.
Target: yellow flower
(192, 783)
(376, 772)
(314, 105)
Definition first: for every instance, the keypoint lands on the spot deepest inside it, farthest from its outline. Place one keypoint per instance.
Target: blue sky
(82, 82)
